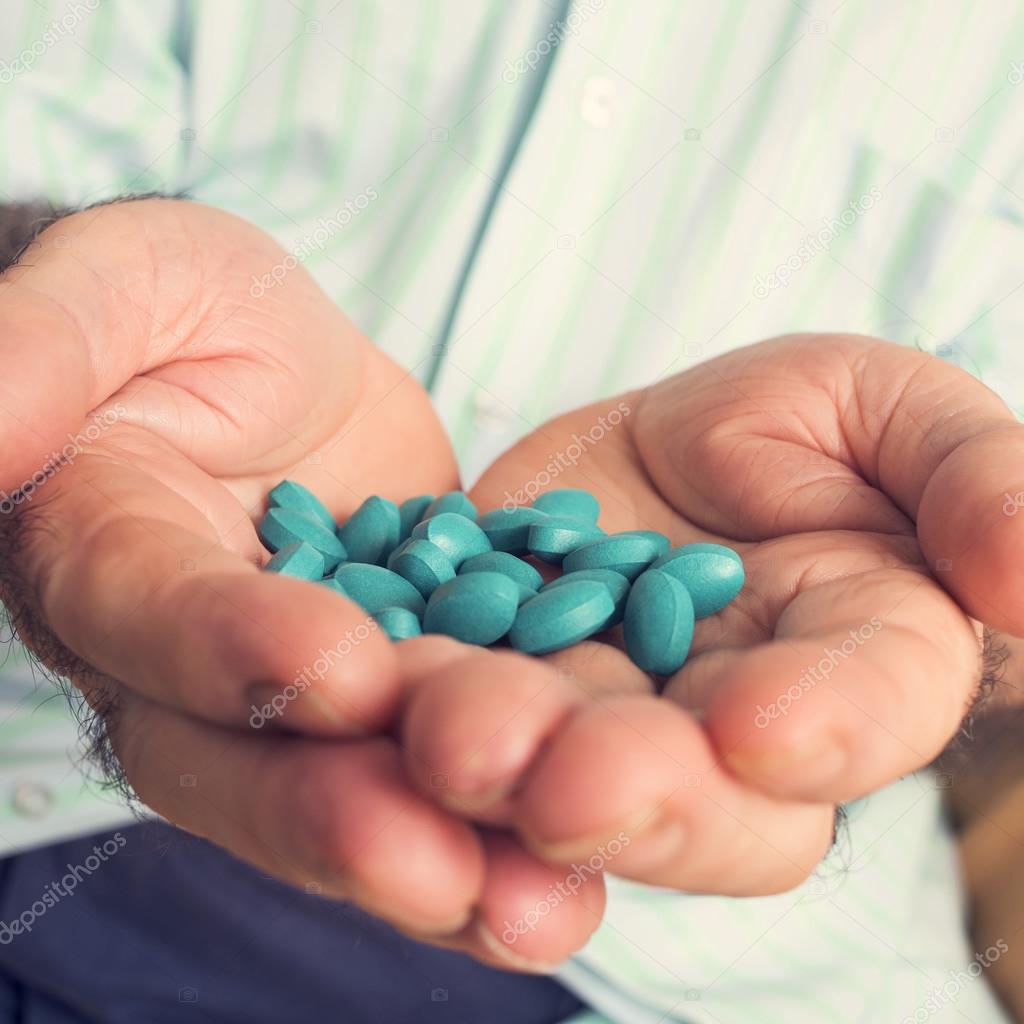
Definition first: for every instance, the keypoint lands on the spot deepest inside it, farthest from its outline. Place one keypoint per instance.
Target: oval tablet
(478, 608)
(658, 623)
(458, 537)
(423, 564)
(456, 502)
(712, 573)
(283, 526)
(617, 584)
(629, 554)
(507, 564)
(659, 540)
(509, 529)
(561, 616)
(553, 538)
(370, 534)
(374, 588)
(569, 503)
(410, 512)
(398, 623)
(301, 560)
(289, 494)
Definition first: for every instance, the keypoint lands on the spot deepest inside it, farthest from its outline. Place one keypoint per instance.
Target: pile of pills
(432, 565)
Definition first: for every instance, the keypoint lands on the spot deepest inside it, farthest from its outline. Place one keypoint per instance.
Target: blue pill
(283, 526)
(423, 564)
(398, 623)
(658, 626)
(371, 533)
(301, 560)
(627, 554)
(508, 565)
(509, 529)
(569, 503)
(712, 573)
(410, 512)
(374, 588)
(617, 584)
(554, 537)
(456, 535)
(561, 616)
(289, 494)
(478, 608)
(659, 540)
(456, 502)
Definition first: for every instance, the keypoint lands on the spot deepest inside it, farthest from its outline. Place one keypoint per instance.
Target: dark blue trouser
(171, 929)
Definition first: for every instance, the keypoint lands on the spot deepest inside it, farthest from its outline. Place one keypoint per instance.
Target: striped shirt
(534, 205)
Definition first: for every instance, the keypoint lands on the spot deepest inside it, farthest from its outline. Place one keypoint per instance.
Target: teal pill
(283, 526)
(509, 529)
(659, 540)
(617, 584)
(659, 623)
(553, 537)
(712, 573)
(455, 502)
(508, 565)
(410, 512)
(478, 608)
(301, 560)
(374, 588)
(624, 553)
(457, 536)
(289, 494)
(398, 623)
(569, 503)
(562, 616)
(371, 533)
(423, 564)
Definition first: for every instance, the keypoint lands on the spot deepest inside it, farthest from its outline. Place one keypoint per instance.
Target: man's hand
(131, 346)
(865, 486)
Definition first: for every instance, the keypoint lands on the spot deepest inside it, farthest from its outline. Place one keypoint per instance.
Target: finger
(867, 678)
(533, 916)
(632, 785)
(871, 436)
(339, 816)
(471, 729)
(134, 581)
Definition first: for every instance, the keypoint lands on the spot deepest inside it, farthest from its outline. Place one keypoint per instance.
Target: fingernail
(656, 844)
(479, 799)
(273, 705)
(814, 764)
(507, 956)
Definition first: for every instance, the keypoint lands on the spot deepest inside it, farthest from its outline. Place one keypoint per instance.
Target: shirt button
(599, 104)
(492, 415)
(32, 799)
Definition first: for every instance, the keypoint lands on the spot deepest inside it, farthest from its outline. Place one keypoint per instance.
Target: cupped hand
(865, 486)
(150, 397)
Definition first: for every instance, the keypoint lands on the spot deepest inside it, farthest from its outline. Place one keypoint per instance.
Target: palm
(840, 468)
